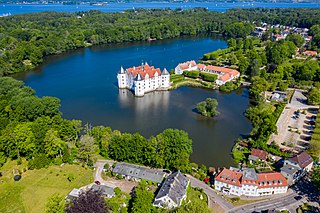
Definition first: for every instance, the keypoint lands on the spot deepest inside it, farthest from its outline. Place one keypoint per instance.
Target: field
(32, 191)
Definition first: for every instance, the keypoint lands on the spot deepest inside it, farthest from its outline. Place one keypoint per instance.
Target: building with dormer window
(143, 79)
(249, 183)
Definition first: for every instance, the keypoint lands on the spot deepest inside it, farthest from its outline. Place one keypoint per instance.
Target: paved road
(286, 202)
(213, 198)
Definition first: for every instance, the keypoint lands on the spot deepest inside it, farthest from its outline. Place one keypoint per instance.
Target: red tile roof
(144, 70)
(229, 176)
(220, 69)
(264, 180)
(259, 154)
(302, 159)
(310, 52)
(187, 64)
(271, 179)
(242, 143)
(201, 66)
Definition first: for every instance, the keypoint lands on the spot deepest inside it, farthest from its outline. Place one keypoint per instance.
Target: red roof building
(303, 160)
(247, 182)
(310, 53)
(261, 154)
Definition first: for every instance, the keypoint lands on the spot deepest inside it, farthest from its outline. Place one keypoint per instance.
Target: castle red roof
(144, 70)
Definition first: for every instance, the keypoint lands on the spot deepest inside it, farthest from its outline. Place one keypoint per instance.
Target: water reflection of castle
(151, 104)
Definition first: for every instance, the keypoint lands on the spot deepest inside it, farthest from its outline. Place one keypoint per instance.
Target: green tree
(53, 144)
(232, 43)
(24, 139)
(314, 96)
(87, 149)
(174, 148)
(316, 177)
(142, 199)
(55, 204)
(208, 107)
(297, 39)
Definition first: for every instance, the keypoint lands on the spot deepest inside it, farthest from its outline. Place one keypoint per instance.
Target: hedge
(191, 74)
(208, 77)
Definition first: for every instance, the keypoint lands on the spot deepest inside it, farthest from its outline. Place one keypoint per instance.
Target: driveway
(124, 185)
(214, 201)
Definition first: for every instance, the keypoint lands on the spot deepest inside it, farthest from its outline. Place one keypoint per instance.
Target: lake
(117, 7)
(85, 81)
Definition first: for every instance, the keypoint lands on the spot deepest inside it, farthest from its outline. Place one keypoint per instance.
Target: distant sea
(13, 9)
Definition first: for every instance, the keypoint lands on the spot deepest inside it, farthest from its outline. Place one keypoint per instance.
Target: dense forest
(26, 39)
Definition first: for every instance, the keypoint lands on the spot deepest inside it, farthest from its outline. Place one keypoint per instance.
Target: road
(213, 198)
(287, 202)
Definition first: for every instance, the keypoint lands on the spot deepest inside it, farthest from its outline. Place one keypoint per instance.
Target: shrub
(191, 74)
(39, 161)
(208, 77)
(70, 177)
(106, 166)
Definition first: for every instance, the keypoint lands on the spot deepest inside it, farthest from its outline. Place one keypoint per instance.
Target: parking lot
(296, 124)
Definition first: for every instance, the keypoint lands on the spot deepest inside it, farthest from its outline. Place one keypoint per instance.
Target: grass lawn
(239, 202)
(32, 191)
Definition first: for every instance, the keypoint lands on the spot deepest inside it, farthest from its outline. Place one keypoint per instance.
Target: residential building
(104, 190)
(188, 65)
(143, 79)
(247, 182)
(303, 160)
(259, 31)
(310, 53)
(278, 37)
(224, 74)
(296, 167)
(173, 191)
(291, 173)
(131, 171)
(257, 155)
(73, 194)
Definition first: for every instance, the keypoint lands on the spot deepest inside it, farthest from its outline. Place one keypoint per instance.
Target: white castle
(143, 79)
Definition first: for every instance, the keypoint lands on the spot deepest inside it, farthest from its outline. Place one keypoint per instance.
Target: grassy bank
(179, 81)
(32, 191)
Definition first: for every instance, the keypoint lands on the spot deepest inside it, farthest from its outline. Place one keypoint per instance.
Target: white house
(143, 79)
(189, 65)
(172, 192)
(249, 183)
(296, 167)
(224, 74)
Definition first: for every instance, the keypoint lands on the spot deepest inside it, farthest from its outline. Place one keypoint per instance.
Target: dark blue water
(85, 81)
(116, 7)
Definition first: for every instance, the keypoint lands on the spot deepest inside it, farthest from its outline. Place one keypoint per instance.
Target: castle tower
(122, 78)
(138, 85)
(165, 78)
